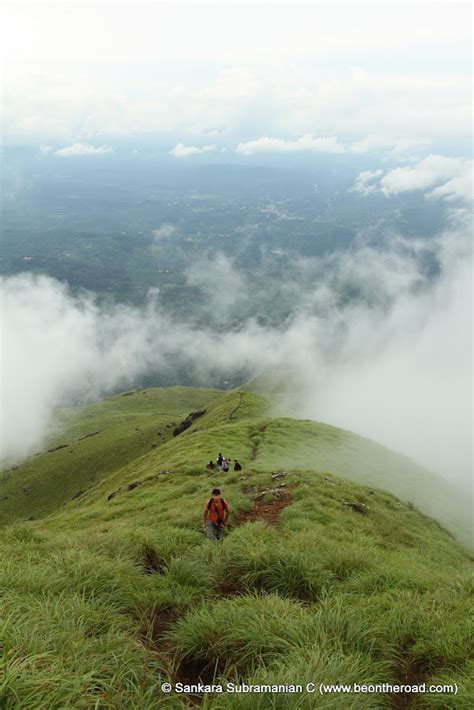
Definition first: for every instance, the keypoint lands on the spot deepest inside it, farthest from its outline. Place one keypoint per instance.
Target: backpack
(220, 515)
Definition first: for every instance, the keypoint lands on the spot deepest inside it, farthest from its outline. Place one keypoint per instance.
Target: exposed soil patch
(414, 673)
(402, 700)
(153, 563)
(255, 441)
(268, 511)
(236, 409)
(136, 484)
(192, 672)
(186, 423)
(56, 448)
(94, 433)
(189, 672)
(161, 623)
(360, 508)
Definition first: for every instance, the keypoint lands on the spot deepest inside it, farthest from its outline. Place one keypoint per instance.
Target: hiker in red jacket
(216, 512)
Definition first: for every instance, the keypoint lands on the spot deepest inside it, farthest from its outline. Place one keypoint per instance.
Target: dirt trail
(154, 636)
(414, 673)
(236, 409)
(188, 672)
(268, 511)
(255, 440)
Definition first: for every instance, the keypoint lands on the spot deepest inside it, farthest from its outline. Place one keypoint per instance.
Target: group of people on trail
(223, 464)
(216, 512)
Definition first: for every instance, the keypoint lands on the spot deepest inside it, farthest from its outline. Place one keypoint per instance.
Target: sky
(227, 74)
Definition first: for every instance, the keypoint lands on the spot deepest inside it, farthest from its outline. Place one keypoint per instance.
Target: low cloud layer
(221, 285)
(185, 151)
(278, 145)
(76, 150)
(393, 364)
(445, 178)
(163, 232)
(395, 148)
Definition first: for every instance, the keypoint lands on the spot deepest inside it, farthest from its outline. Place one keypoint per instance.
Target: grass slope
(238, 423)
(318, 578)
(96, 440)
(103, 601)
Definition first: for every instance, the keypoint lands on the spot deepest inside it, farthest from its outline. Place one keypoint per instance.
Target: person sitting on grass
(225, 465)
(216, 512)
(237, 466)
(210, 466)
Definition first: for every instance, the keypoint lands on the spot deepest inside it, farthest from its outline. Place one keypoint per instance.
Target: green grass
(283, 443)
(100, 439)
(102, 601)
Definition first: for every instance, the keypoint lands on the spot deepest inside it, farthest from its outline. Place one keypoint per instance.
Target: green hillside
(127, 436)
(319, 578)
(90, 443)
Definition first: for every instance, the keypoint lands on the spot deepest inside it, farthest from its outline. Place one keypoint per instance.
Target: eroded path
(268, 511)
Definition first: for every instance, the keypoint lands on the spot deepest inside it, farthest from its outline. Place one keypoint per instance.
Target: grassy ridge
(327, 594)
(97, 440)
(132, 437)
(107, 598)
(239, 424)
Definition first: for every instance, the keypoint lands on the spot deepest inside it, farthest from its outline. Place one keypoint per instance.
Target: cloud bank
(449, 178)
(221, 285)
(148, 72)
(163, 232)
(78, 149)
(367, 182)
(395, 148)
(393, 363)
(185, 151)
(278, 145)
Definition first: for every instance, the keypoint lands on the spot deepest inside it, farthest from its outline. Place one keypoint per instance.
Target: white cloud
(426, 173)
(163, 232)
(278, 145)
(184, 151)
(459, 187)
(57, 107)
(78, 149)
(241, 71)
(450, 178)
(366, 182)
(431, 171)
(222, 286)
(46, 149)
(396, 148)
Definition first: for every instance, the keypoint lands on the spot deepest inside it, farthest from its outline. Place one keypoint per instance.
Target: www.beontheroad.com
(310, 687)
(386, 688)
